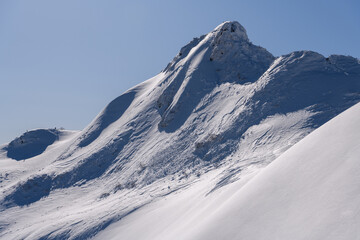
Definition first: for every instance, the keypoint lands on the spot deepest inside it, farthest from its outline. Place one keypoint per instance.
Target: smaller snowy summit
(33, 143)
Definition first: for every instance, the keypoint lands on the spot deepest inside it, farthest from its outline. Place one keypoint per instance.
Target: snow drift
(309, 192)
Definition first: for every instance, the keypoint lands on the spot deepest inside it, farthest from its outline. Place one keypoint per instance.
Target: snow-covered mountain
(222, 110)
(309, 192)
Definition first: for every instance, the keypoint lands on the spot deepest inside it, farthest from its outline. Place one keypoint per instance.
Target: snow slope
(309, 192)
(220, 111)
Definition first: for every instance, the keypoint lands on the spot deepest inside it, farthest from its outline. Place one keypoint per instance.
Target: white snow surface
(222, 110)
(309, 192)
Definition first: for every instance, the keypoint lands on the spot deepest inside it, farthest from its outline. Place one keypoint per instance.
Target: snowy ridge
(223, 55)
(309, 192)
(220, 111)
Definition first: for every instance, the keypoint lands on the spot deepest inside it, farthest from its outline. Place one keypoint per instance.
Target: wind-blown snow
(309, 192)
(220, 111)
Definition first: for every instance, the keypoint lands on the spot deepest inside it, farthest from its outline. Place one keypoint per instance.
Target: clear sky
(62, 61)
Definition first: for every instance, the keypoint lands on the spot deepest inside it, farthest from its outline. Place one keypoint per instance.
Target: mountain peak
(221, 111)
(231, 29)
(234, 57)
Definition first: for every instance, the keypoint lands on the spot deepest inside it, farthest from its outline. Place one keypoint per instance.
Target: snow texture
(309, 192)
(222, 110)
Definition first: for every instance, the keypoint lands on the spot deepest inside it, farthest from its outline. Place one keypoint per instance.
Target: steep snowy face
(305, 78)
(235, 58)
(223, 55)
(309, 192)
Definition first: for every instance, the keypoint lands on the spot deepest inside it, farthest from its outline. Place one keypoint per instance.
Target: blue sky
(62, 61)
